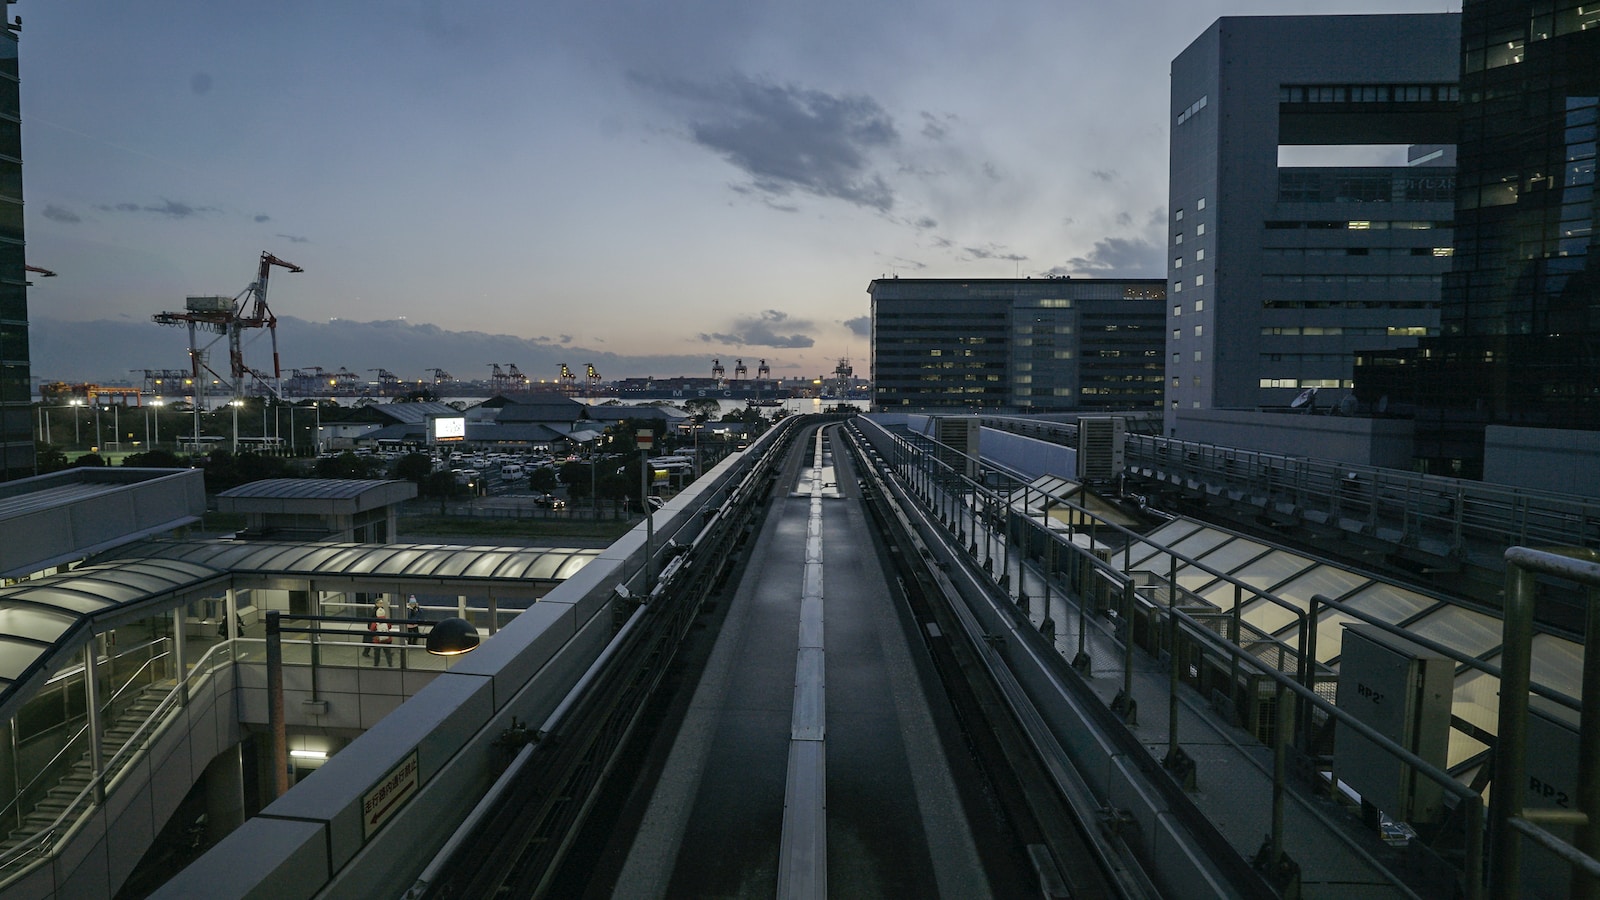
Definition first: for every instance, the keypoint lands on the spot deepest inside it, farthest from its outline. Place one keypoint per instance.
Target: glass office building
(1017, 343)
(1519, 340)
(16, 393)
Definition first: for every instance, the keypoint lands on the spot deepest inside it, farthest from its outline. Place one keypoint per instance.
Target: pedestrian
(382, 633)
(413, 626)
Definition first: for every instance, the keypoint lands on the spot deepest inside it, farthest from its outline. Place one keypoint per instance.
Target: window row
(1352, 225)
(1349, 304)
(1194, 107)
(1367, 93)
(1347, 330)
(1297, 252)
(1329, 278)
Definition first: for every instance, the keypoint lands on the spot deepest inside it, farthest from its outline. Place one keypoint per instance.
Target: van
(510, 471)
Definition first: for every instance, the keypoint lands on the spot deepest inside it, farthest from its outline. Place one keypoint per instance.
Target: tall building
(1017, 343)
(1301, 230)
(1520, 321)
(16, 386)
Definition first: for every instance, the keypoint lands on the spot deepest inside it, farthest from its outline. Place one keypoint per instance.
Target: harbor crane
(228, 318)
(717, 370)
(740, 370)
(764, 371)
(440, 376)
(593, 375)
(388, 383)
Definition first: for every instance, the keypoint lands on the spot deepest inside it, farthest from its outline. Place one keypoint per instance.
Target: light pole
(235, 404)
(77, 439)
(155, 413)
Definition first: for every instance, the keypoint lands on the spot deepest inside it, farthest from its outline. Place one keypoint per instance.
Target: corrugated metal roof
(305, 489)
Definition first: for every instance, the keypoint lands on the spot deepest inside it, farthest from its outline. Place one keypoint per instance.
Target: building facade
(1301, 230)
(1519, 342)
(16, 386)
(1017, 343)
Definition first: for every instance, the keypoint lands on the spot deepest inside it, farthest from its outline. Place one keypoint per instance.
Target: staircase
(59, 798)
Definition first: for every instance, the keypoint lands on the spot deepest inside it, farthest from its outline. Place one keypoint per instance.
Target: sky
(643, 186)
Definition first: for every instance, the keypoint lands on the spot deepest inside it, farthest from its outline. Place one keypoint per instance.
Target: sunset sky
(652, 184)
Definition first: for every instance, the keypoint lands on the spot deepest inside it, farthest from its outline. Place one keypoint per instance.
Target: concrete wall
(1546, 459)
(1358, 441)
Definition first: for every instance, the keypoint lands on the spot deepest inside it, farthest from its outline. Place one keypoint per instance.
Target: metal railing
(1510, 819)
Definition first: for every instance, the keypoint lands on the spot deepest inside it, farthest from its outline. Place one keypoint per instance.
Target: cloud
(994, 251)
(294, 238)
(786, 138)
(759, 331)
(926, 222)
(1106, 175)
(172, 209)
(861, 326)
(61, 214)
(1117, 258)
(262, 217)
(934, 128)
(564, 339)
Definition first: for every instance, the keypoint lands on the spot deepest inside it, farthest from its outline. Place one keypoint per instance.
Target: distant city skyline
(662, 184)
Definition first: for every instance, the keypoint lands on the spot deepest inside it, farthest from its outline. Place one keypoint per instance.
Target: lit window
(1177, 287)
(1177, 310)
(1177, 334)
(1200, 204)
(1198, 330)
(1178, 216)
(1199, 255)
(1200, 229)
(1177, 263)
(1178, 239)
(1197, 356)
(1199, 280)
(1359, 226)
(1199, 306)
(1444, 251)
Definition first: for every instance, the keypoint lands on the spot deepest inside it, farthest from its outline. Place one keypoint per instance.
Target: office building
(16, 386)
(1519, 344)
(1017, 343)
(1310, 202)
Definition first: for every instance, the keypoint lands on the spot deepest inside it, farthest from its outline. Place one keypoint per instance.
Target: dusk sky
(652, 184)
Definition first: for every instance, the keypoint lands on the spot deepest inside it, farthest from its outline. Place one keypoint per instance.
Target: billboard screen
(447, 429)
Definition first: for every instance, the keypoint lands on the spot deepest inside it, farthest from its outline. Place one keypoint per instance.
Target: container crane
(593, 375)
(740, 370)
(763, 371)
(717, 370)
(388, 383)
(440, 376)
(229, 318)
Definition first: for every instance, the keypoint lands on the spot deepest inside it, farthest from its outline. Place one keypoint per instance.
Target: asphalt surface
(896, 825)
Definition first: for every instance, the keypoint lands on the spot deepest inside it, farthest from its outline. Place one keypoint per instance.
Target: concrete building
(1300, 229)
(16, 385)
(1016, 343)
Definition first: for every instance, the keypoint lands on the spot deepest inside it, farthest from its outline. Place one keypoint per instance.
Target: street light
(447, 637)
(235, 404)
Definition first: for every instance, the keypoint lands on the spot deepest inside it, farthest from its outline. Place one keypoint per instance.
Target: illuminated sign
(447, 429)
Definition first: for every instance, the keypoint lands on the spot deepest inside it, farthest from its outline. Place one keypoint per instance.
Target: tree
(702, 408)
(89, 461)
(414, 467)
(49, 458)
(543, 478)
(154, 459)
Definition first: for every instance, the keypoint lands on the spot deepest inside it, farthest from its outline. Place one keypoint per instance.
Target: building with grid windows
(1301, 230)
(1017, 343)
(16, 386)
(1519, 342)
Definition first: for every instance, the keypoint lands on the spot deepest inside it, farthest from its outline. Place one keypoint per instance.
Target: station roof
(45, 620)
(421, 561)
(1293, 578)
(65, 516)
(314, 495)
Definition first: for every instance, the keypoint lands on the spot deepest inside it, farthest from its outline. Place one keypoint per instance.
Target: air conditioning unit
(960, 435)
(1102, 442)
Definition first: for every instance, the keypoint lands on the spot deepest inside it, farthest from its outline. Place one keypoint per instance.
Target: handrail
(41, 842)
(1507, 813)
